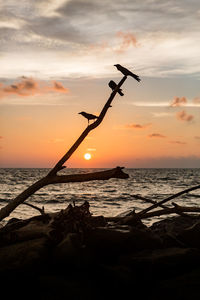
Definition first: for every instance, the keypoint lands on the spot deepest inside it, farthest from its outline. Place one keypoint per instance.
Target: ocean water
(108, 198)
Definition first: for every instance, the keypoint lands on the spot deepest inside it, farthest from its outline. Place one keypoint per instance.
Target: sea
(108, 198)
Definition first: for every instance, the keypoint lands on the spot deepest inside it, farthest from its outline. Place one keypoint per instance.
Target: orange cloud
(30, 87)
(178, 101)
(128, 39)
(91, 149)
(137, 126)
(183, 116)
(177, 142)
(156, 135)
(58, 87)
(196, 100)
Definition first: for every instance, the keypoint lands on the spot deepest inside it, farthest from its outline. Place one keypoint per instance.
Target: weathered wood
(148, 200)
(177, 209)
(172, 210)
(144, 211)
(160, 205)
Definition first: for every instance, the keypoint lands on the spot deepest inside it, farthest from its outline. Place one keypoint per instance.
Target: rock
(177, 231)
(162, 263)
(191, 235)
(23, 255)
(68, 251)
(111, 242)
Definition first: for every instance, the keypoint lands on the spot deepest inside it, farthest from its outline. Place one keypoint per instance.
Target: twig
(161, 205)
(148, 200)
(41, 210)
(173, 210)
(144, 211)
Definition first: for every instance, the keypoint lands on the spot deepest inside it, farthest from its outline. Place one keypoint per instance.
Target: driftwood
(72, 250)
(133, 217)
(160, 205)
(177, 209)
(52, 176)
(143, 212)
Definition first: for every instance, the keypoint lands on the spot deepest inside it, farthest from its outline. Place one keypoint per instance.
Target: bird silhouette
(126, 72)
(113, 85)
(88, 116)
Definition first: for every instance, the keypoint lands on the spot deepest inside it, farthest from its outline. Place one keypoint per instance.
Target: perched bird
(126, 72)
(88, 116)
(113, 85)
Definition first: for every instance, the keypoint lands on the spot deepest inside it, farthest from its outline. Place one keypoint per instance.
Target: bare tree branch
(52, 175)
(144, 211)
(173, 210)
(148, 200)
(160, 205)
(103, 175)
(41, 210)
(90, 127)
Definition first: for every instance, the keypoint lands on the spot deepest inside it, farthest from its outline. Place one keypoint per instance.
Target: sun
(87, 156)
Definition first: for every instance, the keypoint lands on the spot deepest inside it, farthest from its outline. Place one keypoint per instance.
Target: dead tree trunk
(52, 176)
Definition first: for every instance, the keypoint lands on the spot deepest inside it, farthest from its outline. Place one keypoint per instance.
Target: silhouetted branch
(177, 209)
(143, 212)
(103, 175)
(52, 176)
(90, 127)
(41, 210)
(155, 202)
(148, 200)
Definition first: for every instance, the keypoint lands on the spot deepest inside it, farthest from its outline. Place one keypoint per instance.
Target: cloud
(196, 100)
(119, 43)
(177, 101)
(29, 87)
(58, 87)
(183, 116)
(161, 114)
(178, 142)
(128, 40)
(156, 135)
(138, 126)
(56, 140)
(91, 149)
(58, 33)
(166, 162)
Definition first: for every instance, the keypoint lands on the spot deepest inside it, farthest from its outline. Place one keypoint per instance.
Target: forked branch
(52, 176)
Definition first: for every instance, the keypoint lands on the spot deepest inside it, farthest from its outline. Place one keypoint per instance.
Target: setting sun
(87, 156)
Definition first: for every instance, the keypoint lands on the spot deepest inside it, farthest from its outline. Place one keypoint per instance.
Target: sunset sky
(56, 59)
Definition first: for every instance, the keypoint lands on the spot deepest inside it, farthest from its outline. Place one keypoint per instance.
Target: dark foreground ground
(72, 255)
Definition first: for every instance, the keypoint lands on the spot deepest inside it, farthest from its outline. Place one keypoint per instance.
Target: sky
(57, 58)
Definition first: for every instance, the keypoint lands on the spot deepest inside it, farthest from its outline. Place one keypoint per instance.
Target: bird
(113, 85)
(126, 72)
(88, 116)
